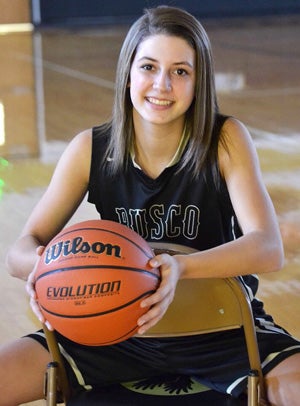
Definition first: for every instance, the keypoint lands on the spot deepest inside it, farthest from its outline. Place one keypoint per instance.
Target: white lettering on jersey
(157, 221)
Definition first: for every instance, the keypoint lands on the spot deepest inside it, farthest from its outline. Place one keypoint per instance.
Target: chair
(221, 304)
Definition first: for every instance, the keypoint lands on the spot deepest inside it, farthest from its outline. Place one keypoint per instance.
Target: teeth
(159, 102)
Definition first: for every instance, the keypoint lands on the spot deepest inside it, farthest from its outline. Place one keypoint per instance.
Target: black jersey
(176, 207)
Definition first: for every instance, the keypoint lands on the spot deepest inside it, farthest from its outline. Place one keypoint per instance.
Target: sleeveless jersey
(180, 209)
(175, 207)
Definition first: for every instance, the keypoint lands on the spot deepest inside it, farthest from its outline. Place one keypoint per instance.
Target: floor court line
(107, 84)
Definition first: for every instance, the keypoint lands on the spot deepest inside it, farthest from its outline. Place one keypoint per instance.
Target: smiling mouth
(158, 102)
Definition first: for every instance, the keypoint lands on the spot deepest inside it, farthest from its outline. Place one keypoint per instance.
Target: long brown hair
(201, 114)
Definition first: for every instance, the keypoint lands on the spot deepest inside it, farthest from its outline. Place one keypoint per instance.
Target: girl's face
(162, 80)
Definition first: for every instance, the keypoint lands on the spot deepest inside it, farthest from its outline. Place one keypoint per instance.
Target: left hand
(161, 299)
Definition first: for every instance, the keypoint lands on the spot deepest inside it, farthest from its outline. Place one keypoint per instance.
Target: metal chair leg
(253, 388)
(51, 384)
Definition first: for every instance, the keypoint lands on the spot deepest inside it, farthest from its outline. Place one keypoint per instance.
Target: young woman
(170, 166)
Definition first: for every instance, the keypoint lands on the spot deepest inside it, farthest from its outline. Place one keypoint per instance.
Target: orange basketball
(91, 279)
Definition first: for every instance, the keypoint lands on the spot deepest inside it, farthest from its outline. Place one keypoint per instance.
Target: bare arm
(65, 192)
(260, 249)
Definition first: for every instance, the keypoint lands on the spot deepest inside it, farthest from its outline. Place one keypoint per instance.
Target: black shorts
(217, 360)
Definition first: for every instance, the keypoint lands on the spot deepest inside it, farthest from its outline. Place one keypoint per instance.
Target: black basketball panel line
(114, 341)
(91, 315)
(114, 267)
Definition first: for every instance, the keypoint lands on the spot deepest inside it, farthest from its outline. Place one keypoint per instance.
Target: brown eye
(147, 67)
(181, 72)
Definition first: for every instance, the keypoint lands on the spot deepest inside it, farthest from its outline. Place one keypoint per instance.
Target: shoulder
(234, 130)
(80, 143)
(83, 139)
(236, 147)
(87, 138)
(77, 156)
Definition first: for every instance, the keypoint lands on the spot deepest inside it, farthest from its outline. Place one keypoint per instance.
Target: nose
(162, 81)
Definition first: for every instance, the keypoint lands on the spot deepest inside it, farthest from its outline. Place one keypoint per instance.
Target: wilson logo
(79, 246)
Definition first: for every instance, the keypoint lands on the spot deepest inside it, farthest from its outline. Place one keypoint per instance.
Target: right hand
(30, 288)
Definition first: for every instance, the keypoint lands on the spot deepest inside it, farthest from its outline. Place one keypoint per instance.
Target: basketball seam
(85, 316)
(118, 267)
(116, 340)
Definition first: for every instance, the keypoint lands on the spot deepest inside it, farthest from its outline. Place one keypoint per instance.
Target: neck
(155, 147)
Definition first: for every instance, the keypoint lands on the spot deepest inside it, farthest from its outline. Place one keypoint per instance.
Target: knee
(283, 392)
(283, 383)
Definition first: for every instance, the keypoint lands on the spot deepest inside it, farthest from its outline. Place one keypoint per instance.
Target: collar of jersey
(176, 156)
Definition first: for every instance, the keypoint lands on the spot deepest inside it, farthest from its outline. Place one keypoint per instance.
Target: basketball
(91, 279)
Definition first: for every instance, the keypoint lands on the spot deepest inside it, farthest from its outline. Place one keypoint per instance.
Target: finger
(30, 286)
(156, 297)
(158, 260)
(48, 325)
(40, 249)
(150, 318)
(155, 312)
(145, 327)
(36, 310)
(154, 262)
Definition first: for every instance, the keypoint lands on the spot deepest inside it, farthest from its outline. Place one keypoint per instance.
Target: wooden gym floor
(55, 83)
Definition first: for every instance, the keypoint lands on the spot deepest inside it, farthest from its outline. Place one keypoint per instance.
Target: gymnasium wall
(86, 12)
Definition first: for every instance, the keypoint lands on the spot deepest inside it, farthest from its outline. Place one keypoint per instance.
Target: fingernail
(49, 327)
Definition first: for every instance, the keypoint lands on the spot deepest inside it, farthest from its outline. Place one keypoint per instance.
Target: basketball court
(57, 82)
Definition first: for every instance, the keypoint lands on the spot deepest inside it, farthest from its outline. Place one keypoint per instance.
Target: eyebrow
(148, 58)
